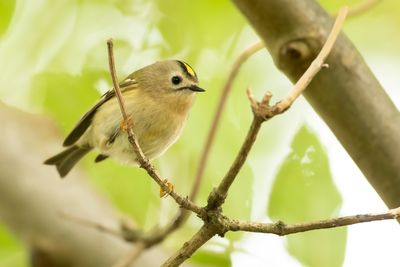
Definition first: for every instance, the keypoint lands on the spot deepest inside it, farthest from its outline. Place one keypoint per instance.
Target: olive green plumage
(158, 98)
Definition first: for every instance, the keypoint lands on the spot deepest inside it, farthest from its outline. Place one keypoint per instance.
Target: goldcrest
(157, 97)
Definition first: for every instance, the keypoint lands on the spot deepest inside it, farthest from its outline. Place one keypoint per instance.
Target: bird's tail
(66, 160)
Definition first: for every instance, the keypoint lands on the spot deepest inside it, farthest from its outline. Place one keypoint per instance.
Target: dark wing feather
(100, 158)
(86, 120)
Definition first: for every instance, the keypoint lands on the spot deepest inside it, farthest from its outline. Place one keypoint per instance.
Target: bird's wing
(82, 125)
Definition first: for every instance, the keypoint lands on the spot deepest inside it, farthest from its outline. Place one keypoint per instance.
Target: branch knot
(215, 200)
(262, 110)
(280, 228)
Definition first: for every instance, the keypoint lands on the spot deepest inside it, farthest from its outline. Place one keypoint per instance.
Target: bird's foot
(163, 193)
(125, 124)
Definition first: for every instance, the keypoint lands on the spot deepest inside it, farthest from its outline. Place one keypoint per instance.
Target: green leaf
(11, 252)
(212, 258)
(65, 96)
(197, 21)
(304, 191)
(6, 11)
(129, 188)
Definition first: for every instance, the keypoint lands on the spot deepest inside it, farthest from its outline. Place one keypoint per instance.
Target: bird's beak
(195, 88)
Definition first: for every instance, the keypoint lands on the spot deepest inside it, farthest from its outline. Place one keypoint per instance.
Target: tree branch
(111, 65)
(282, 229)
(202, 236)
(132, 255)
(218, 195)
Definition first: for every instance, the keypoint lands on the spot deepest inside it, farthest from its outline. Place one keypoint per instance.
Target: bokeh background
(53, 61)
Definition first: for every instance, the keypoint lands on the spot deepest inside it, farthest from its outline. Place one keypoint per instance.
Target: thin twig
(114, 78)
(142, 159)
(222, 224)
(158, 235)
(198, 239)
(218, 195)
(92, 224)
(362, 7)
(282, 229)
(132, 256)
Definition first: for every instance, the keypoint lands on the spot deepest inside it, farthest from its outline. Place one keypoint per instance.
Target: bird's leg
(170, 188)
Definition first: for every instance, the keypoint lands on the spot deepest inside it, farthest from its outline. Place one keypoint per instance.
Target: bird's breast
(157, 124)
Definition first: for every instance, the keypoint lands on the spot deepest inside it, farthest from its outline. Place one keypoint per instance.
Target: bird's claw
(163, 193)
(125, 124)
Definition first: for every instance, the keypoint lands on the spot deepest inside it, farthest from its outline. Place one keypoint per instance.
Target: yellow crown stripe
(189, 69)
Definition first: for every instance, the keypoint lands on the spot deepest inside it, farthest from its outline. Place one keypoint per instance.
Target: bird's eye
(176, 80)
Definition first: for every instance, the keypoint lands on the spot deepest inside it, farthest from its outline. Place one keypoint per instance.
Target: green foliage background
(53, 61)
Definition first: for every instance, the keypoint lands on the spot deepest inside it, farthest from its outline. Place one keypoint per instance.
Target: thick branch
(349, 98)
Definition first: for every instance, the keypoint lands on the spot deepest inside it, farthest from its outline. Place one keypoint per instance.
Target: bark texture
(347, 96)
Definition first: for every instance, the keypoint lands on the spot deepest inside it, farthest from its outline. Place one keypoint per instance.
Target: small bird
(157, 97)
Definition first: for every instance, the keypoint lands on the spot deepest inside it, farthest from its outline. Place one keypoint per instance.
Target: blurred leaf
(129, 188)
(239, 201)
(212, 258)
(334, 6)
(11, 254)
(199, 23)
(72, 38)
(65, 96)
(304, 191)
(6, 11)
